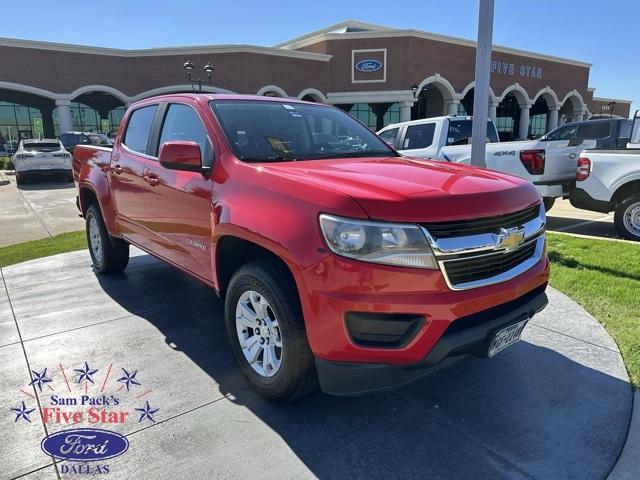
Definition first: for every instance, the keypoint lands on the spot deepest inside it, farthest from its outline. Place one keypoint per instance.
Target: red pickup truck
(340, 262)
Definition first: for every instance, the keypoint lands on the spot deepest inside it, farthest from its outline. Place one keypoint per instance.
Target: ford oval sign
(84, 444)
(368, 65)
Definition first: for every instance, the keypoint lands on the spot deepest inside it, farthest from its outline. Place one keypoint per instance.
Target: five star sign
(39, 379)
(147, 412)
(85, 373)
(22, 412)
(128, 378)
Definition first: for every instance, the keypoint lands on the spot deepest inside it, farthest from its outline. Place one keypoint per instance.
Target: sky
(602, 33)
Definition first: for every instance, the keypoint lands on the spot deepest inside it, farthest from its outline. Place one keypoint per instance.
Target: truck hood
(406, 190)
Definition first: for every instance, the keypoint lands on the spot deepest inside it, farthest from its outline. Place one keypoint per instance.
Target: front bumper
(466, 336)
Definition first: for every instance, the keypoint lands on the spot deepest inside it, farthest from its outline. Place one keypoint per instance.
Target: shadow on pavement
(46, 184)
(528, 413)
(577, 225)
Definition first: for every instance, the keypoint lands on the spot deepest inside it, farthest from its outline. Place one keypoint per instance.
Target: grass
(21, 252)
(604, 277)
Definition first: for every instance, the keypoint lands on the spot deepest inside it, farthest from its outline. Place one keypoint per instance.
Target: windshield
(42, 146)
(260, 131)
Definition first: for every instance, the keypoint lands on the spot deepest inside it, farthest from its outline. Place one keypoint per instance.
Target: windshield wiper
(277, 158)
(356, 154)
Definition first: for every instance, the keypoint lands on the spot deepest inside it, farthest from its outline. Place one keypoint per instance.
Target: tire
(548, 203)
(268, 281)
(70, 177)
(627, 218)
(108, 254)
(19, 179)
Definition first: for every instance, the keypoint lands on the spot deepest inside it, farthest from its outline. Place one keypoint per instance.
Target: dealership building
(380, 75)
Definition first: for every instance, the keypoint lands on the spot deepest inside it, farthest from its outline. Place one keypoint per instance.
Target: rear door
(130, 159)
(179, 203)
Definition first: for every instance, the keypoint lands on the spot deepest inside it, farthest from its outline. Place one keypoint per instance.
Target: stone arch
(549, 96)
(124, 98)
(492, 96)
(518, 92)
(316, 94)
(273, 91)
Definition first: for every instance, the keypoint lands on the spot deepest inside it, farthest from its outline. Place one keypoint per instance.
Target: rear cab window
(136, 136)
(594, 130)
(459, 132)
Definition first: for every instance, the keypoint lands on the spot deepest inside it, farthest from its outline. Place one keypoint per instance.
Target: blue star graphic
(39, 379)
(128, 378)
(22, 412)
(147, 412)
(85, 373)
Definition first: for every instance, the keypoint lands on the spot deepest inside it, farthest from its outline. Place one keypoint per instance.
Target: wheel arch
(624, 191)
(233, 251)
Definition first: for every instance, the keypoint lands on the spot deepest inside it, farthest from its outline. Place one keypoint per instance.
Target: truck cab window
(460, 132)
(419, 136)
(389, 136)
(562, 133)
(183, 123)
(594, 130)
(137, 135)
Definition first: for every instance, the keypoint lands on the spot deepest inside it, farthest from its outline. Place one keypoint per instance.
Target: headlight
(387, 243)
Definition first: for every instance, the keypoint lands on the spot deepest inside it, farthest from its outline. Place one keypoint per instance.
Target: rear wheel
(19, 179)
(548, 203)
(627, 218)
(108, 254)
(266, 329)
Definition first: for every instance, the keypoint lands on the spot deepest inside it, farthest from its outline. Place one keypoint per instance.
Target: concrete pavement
(565, 218)
(36, 210)
(556, 405)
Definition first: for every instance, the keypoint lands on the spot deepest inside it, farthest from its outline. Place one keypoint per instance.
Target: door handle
(117, 169)
(151, 180)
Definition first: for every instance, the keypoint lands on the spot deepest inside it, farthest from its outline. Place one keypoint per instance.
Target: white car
(41, 157)
(609, 180)
(549, 165)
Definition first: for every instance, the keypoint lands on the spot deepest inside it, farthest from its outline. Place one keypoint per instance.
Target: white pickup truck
(549, 165)
(609, 181)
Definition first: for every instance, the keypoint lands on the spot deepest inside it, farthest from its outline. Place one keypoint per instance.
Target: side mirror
(181, 155)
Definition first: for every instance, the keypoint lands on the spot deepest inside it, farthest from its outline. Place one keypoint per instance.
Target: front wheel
(266, 329)
(627, 218)
(108, 254)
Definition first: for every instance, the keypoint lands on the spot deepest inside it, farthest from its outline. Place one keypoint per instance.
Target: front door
(128, 186)
(178, 203)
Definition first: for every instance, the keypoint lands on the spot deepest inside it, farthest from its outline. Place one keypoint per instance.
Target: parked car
(41, 157)
(340, 262)
(609, 181)
(71, 139)
(599, 133)
(548, 165)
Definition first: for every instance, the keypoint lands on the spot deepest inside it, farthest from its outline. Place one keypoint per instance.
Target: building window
(364, 113)
(393, 115)
(86, 119)
(18, 122)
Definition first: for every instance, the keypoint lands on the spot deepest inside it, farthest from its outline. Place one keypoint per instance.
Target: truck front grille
(483, 267)
(463, 228)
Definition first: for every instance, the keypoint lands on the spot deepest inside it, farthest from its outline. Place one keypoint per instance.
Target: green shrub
(6, 164)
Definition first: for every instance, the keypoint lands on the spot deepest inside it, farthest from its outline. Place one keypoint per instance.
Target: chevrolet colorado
(340, 262)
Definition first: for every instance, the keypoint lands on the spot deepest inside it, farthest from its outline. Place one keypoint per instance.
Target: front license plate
(506, 337)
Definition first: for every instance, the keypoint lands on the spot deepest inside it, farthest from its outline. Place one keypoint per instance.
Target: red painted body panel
(277, 205)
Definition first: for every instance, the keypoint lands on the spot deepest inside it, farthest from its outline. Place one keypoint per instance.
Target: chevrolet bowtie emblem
(510, 239)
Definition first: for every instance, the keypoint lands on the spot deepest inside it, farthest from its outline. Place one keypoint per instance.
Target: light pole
(481, 89)
(188, 68)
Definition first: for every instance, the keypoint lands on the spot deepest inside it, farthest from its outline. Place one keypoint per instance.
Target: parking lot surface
(565, 218)
(556, 405)
(38, 209)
